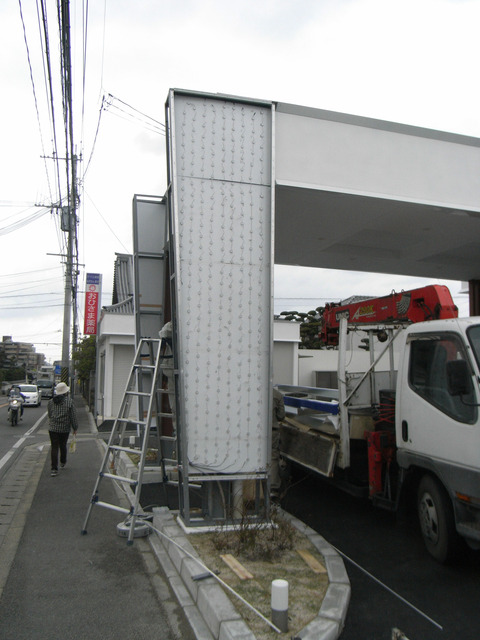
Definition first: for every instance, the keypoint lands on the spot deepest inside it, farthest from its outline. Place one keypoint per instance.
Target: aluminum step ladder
(143, 384)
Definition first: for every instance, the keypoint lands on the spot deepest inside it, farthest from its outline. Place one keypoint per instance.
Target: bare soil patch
(267, 555)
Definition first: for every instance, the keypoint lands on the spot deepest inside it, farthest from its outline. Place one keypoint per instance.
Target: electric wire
(113, 232)
(24, 307)
(32, 83)
(84, 63)
(22, 223)
(94, 139)
(11, 203)
(129, 118)
(24, 273)
(46, 45)
(49, 83)
(18, 213)
(158, 125)
(30, 285)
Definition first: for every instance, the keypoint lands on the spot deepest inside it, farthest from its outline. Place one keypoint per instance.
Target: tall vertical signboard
(93, 294)
(221, 171)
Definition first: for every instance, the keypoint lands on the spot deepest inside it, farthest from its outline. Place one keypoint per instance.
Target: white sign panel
(222, 230)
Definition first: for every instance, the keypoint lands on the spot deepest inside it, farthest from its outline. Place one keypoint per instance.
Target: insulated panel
(149, 231)
(222, 231)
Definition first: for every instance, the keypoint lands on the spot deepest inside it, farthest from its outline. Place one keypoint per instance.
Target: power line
(22, 223)
(30, 295)
(113, 232)
(156, 123)
(95, 138)
(11, 203)
(28, 283)
(25, 273)
(50, 99)
(18, 307)
(33, 83)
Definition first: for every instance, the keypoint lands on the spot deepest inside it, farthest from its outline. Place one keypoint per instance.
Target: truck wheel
(437, 523)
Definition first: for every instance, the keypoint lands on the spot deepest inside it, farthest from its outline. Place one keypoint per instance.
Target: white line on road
(27, 434)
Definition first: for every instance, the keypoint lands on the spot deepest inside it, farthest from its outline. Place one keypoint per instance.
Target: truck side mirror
(459, 379)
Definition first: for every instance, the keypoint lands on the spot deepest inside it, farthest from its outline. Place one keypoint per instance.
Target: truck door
(430, 421)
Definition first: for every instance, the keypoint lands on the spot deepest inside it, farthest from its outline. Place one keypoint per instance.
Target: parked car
(46, 388)
(31, 394)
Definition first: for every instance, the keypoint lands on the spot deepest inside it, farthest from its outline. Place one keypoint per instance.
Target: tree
(309, 327)
(84, 357)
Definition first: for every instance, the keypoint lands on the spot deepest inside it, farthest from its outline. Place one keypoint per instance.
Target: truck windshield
(473, 334)
(429, 355)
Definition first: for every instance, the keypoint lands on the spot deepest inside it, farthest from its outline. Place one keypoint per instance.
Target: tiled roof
(122, 297)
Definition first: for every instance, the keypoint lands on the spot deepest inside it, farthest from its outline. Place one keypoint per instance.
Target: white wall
(311, 361)
(286, 337)
(115, 341)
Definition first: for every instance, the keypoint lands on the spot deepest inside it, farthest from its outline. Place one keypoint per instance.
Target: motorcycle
(14, 410)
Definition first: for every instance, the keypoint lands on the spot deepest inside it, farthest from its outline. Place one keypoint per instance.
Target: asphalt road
(10, 437)
(391, 549)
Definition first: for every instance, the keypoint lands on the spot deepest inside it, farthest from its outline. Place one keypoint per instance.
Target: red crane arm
(433, 302)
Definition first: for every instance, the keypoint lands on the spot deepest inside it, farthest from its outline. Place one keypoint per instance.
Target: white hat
(61, 389)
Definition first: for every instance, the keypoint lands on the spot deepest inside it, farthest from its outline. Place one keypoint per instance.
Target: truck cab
(438, 428)
(45, 387)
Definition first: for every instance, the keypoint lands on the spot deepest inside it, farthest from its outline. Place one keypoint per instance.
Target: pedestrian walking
(62, 419)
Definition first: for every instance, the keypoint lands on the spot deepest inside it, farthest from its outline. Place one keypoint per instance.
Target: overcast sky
(408, 61)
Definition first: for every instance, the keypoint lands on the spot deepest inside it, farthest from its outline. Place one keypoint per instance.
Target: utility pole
(67, 301)
(68, 213)
(69, 226)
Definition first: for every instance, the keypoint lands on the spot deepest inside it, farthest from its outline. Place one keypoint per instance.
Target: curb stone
(207, 603)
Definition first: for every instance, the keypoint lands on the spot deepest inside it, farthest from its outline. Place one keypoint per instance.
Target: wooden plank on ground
(298, 425)
(236, 567)
(312, 562)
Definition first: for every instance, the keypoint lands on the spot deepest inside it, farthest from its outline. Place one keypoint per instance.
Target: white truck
(409, 419)
(45, 381)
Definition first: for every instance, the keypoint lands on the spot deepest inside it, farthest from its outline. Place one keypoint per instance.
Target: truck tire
(437, 523)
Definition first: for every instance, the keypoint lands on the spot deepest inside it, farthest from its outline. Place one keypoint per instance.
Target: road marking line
(19, 443)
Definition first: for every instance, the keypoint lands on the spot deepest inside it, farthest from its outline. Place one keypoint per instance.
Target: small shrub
(255, 541)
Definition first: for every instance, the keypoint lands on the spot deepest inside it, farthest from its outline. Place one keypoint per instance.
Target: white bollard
(280, 604)
(132, 441)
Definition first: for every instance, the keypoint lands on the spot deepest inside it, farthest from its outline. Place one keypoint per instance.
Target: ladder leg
(87, 517)
(140, 373)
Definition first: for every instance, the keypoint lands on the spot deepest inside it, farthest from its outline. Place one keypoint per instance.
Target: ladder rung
(144, 366)
(113, 476)
(117, 447)
(174, 460)
(138, 393)
(165, 415)
(130, 421)
(114, 507)
(168, 438)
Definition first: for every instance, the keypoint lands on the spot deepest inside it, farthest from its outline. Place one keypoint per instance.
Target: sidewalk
(58, 584)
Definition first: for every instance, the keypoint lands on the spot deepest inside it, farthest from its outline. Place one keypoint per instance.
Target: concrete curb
(209, 611)
(330, 620)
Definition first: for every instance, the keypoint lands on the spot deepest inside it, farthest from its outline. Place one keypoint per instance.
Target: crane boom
(433, 302)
